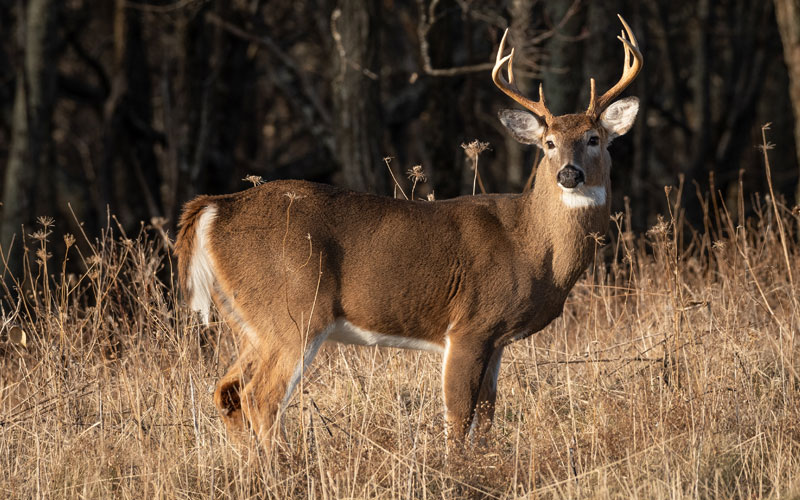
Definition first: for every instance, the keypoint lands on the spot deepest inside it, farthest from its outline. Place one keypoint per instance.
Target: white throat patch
(584, 196)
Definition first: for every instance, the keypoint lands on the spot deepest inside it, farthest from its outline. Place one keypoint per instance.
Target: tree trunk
(787, 13)
(356, 95)
(562, 76)
(129, 177)
(31, 146)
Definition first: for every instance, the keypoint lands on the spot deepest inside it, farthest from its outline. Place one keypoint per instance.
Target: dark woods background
(139, 105)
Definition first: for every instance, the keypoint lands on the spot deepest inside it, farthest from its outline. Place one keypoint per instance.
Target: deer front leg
(484, 408)
(463, 369)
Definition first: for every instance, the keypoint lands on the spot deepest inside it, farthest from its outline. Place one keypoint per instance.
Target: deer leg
(258, 387)
(463, 371)
(484, 408)
(227, 398)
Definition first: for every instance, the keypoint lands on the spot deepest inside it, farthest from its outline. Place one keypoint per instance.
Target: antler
(629, 71)
(537, 107)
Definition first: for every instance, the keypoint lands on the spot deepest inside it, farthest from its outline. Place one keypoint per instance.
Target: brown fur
(491, 268)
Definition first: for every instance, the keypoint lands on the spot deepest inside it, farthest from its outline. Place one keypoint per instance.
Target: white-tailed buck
(292, 264)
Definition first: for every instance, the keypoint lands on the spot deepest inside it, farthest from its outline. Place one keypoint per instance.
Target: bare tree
(30, 154)
(356, 94)
(787, 13)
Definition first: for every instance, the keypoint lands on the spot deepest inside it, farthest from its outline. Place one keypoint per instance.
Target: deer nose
(570, 176)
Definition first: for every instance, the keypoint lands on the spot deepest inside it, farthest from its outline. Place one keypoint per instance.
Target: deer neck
(561, 237)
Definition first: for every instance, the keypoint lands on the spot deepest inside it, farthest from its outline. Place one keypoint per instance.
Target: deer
(291, 264)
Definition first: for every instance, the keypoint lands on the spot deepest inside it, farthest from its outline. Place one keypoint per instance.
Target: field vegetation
(672, 373)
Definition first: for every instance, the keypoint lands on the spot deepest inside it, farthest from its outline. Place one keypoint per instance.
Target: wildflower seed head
(660, 228)
(474, 148)
(45, 221)
(416, 174)
(257, 180)
(40, 235)
(42, 256)
(293, 196)
(598, 238)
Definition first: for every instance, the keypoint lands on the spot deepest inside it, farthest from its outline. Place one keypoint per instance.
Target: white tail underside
(201, 271)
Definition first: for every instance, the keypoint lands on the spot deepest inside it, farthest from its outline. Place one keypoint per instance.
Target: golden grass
(673, 373)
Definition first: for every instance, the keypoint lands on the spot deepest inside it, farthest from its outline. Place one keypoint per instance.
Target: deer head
(574, 145)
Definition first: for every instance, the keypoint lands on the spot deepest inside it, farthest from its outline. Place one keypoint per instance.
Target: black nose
(570, 176)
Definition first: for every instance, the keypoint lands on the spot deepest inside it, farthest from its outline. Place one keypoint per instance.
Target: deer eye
(550, 145)
(594, 140)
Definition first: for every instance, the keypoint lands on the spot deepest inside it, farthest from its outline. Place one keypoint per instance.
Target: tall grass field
(672, 373)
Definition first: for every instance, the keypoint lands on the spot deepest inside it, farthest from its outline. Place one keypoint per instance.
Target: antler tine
(510, 89)
(629, 71)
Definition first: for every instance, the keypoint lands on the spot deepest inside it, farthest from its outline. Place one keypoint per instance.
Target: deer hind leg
(228, 398)
(257, 388)
(464, 366)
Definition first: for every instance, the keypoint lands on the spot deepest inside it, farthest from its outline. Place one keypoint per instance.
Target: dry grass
(672, 373)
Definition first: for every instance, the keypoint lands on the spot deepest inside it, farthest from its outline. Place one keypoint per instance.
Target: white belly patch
(345, 332)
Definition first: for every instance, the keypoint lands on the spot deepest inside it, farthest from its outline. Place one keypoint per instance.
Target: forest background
(133, 107)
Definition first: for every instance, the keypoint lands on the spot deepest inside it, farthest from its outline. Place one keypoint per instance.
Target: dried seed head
(69, 240)
(293, 196)
(42, 256)
(416, 174)
(40, 235)
(660, 228)
(474, 148)
(598, 238)
(257, 180)
(45, 221)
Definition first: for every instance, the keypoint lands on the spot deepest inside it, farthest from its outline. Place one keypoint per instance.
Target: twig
(601, 360)
(283, 57)
(423, 27)
(765, 146)
(534, 168)
(161, 9)
(386, 160)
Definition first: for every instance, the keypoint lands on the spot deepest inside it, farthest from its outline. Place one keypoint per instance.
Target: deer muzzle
(570, 177)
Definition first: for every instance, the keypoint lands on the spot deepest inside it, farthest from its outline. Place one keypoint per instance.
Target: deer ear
(525, 127)
(618, 118)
